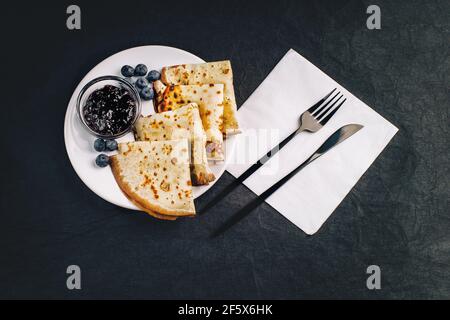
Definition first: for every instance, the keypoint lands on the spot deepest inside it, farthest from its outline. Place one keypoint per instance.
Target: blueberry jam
(109, 110)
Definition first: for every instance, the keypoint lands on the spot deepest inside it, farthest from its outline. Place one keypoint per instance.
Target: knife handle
(242, 213)
(285, 179)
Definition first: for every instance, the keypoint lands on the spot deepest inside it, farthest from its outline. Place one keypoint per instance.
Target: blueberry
(141, 83)
(146, 93)
(153, 75)
(102, 160)
(140, 70)
(99, 145)
(111, 145)
(127, 71)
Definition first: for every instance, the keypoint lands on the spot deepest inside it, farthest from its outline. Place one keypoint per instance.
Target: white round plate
(79, 143)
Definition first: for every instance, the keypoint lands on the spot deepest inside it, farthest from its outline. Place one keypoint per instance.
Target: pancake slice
(208, 73)
(182, 123)
(155, 176)
(209, 98)
(159, 89)
(152, 213)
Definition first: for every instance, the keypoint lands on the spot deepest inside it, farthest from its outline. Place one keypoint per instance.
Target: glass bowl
(99, 83)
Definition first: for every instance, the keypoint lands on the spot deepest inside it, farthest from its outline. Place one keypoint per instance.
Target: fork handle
(253, 168)
(266, 157)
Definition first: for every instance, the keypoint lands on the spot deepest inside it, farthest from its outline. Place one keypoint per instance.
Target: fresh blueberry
(99, 145)
(153, 75)
(141, 83)
(140, 70)
(102, 160)
(127, 71)
(146, 93)
(111, 145)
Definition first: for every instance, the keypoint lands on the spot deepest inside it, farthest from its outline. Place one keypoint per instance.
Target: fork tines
(323, 112)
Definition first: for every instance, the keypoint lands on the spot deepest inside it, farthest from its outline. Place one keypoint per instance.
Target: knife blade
(336, 138)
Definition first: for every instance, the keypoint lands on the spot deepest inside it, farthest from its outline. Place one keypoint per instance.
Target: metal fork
(318, 115)
(312, 120)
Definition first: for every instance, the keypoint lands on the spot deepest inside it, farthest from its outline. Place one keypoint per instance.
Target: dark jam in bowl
(109, 110)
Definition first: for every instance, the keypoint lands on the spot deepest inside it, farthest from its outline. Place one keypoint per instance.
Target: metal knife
(332, 141)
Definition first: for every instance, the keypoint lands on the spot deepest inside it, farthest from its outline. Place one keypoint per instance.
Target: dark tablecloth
(396, 217)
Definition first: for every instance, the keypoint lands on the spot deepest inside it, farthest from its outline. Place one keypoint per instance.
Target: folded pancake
(150, 212)
(155, 175)
(209, 98)
(212, 123)
(208, 73)
(159, 89)
(182, 123)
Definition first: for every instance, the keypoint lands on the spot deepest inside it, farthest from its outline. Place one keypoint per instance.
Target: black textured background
(397, 216)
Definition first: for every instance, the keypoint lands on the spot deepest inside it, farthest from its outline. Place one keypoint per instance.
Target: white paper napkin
(271, 114)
